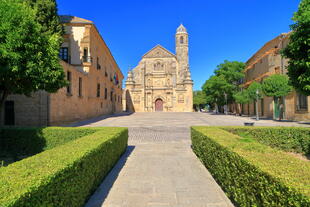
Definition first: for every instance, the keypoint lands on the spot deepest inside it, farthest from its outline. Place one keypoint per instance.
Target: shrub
(290, 139)
(30, 141)
(65, 175)
(250, 173)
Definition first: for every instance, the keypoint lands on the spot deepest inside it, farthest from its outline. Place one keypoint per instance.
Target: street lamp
(226, 111)
(256, 105)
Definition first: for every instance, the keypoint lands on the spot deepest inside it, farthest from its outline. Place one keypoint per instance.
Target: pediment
(158, 52)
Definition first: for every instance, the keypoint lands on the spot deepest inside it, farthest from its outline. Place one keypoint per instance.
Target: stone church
(162, 80)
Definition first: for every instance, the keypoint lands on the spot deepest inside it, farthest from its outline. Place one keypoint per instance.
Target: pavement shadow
(97, 119)
(99, 196)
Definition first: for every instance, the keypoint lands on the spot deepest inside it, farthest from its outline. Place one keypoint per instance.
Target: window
(181, 40)
(302, 102)
(105, 93)
(80, 86)
(69, 78)
(111, 97)
(86, 57)
(63, 54)
(98, 65)
(85, 52)
(98, 90)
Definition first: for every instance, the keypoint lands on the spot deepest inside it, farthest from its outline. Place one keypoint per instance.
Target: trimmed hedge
(250, 173)
(65, 175)
(30, 141)
(290, 139)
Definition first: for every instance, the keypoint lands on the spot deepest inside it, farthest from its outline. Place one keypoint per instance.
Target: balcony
(87, 59)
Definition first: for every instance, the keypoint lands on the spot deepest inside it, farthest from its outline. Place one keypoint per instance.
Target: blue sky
(218, 29)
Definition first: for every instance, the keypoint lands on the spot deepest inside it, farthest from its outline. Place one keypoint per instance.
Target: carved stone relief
(136, 99)
(158, 66)
(181, 98)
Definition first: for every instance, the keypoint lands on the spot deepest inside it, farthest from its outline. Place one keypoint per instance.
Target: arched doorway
(159, 105)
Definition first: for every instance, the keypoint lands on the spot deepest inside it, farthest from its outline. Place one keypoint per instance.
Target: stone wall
(29, 111)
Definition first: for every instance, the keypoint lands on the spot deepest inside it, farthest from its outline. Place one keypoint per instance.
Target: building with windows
(265, 62)
(95, 82)
(162, 80)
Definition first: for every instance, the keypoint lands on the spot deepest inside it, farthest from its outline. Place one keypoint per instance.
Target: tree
(242, 97)
(226, 80)
(276, 86)
(47, 15)
(298, 49)
(199, 99)
(232, 71)
(214, 88)
(28, 58)
(255, 91)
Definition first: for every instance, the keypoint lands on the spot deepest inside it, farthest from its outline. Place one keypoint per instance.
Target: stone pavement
(159, 168)
(180, 119)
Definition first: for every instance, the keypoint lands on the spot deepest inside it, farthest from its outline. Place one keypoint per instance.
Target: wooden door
(159, 105)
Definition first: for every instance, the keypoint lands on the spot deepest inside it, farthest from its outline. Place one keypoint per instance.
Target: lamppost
(226, 111)
(256, 105)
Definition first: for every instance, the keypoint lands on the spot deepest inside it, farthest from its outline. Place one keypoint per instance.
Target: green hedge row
(291, 139)
(30, 141)
(65, 175)
(250, 173)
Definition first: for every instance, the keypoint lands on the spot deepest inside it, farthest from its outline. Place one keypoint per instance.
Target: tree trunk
(4, 94)
(238, 109)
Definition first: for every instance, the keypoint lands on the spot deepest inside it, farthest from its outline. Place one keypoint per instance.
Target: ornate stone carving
(136, 99)
(158, 66)
(158, 52)
(181, 98)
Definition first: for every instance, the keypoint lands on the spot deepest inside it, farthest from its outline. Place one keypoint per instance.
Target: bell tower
(181, 44)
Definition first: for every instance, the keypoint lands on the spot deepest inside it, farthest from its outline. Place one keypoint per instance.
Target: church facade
(162, 80)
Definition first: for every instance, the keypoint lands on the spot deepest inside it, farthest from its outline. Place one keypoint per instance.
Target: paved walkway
(159, 168)
(185, 119)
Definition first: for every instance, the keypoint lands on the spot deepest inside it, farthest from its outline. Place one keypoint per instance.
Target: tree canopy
(298, 49)
(199, 98)
(276, 85)
(47, 15)
(28, 58)
(253, 89)
(242, 97)
(226, 80)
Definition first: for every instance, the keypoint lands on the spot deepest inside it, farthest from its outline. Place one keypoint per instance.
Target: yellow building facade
(265, 62)
(162, 80)
(95, 82)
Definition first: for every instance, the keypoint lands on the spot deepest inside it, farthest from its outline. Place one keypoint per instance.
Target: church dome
(181, 29)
